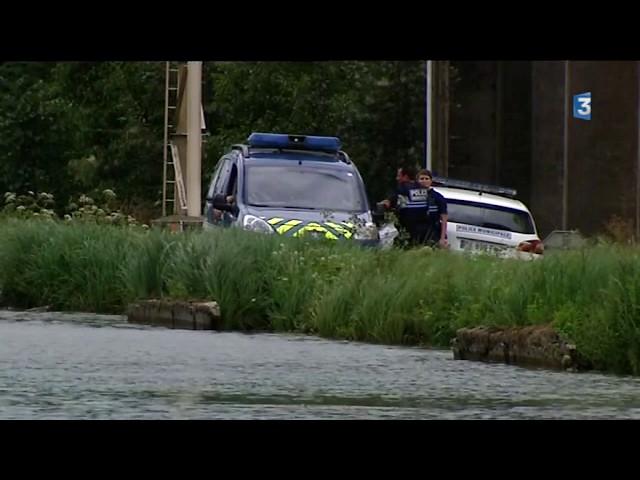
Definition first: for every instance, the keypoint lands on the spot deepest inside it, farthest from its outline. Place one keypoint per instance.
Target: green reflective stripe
(340, 229)
(336, 232)
(314, 227)
(330, 230)
(284, 228)
(335, 226)
(351, 227)
(310, 227)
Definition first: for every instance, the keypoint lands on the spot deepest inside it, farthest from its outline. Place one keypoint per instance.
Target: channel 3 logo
(582, 106)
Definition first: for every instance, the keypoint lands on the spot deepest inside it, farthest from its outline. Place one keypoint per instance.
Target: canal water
(80, 366)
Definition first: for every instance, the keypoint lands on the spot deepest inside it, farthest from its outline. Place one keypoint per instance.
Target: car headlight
(256, 224)
(368, 231)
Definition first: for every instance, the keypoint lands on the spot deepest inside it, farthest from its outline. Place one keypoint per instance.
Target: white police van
(485, 218)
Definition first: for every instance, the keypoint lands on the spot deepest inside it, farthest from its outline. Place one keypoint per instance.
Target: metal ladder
(172, 180)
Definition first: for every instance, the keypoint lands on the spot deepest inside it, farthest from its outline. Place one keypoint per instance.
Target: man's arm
(444, 217)
(222, 198)
(443, 229)
(391, 201)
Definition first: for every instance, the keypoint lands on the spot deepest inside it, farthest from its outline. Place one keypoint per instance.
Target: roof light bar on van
(478, 187)
(294, 142)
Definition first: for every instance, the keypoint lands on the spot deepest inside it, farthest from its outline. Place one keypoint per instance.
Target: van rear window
(490, 216)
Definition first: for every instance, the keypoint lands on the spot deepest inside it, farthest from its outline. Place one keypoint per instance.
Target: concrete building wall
(509, 130)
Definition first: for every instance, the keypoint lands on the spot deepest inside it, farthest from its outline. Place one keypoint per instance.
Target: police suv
(485, 218)
(291, 185)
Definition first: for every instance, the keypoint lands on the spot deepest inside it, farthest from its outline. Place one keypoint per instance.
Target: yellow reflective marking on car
(274, 220)
(310, 227)
(340, 229)
(284, 228)
(330, 230)
(330, 235)
(314, 227)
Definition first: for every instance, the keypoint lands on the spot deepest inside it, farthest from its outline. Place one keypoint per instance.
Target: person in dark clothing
(409, 200)
(436, 228)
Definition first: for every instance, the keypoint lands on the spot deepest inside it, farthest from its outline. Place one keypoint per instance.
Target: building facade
(506, 125)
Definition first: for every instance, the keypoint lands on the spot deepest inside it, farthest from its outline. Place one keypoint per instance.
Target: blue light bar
(294, 142)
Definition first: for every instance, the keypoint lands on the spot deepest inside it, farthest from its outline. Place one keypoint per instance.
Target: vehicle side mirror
(220, 203)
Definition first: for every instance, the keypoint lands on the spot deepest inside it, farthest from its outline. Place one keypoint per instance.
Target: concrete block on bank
(182, 316)
(207, 316)
(176, 314)
(538, 345)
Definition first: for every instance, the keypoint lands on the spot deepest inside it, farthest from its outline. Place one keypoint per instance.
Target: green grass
(66, 267)
(332, 289)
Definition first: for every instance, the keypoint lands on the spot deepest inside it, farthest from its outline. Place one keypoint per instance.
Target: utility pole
(194, 139)
(565, 156)
(428, 145)
(182, 157)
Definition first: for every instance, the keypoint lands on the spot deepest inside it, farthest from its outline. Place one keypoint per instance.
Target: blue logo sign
(582, 106)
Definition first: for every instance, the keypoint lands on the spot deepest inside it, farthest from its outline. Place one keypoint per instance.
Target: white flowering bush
(101, 210)
(29, 205)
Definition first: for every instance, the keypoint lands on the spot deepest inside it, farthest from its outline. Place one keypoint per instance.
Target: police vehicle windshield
(490, 216)
(305, 187)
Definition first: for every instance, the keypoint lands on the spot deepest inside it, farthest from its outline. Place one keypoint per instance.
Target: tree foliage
(72, 128)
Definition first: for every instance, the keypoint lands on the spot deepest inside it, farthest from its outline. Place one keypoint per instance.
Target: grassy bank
(331, 289)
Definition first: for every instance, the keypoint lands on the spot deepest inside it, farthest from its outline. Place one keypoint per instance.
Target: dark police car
(292, 185)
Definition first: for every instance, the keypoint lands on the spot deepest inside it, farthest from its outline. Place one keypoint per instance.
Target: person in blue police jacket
(409, 200)
(436, 230)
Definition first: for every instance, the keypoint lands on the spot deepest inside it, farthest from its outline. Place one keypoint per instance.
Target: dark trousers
(423, 234)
